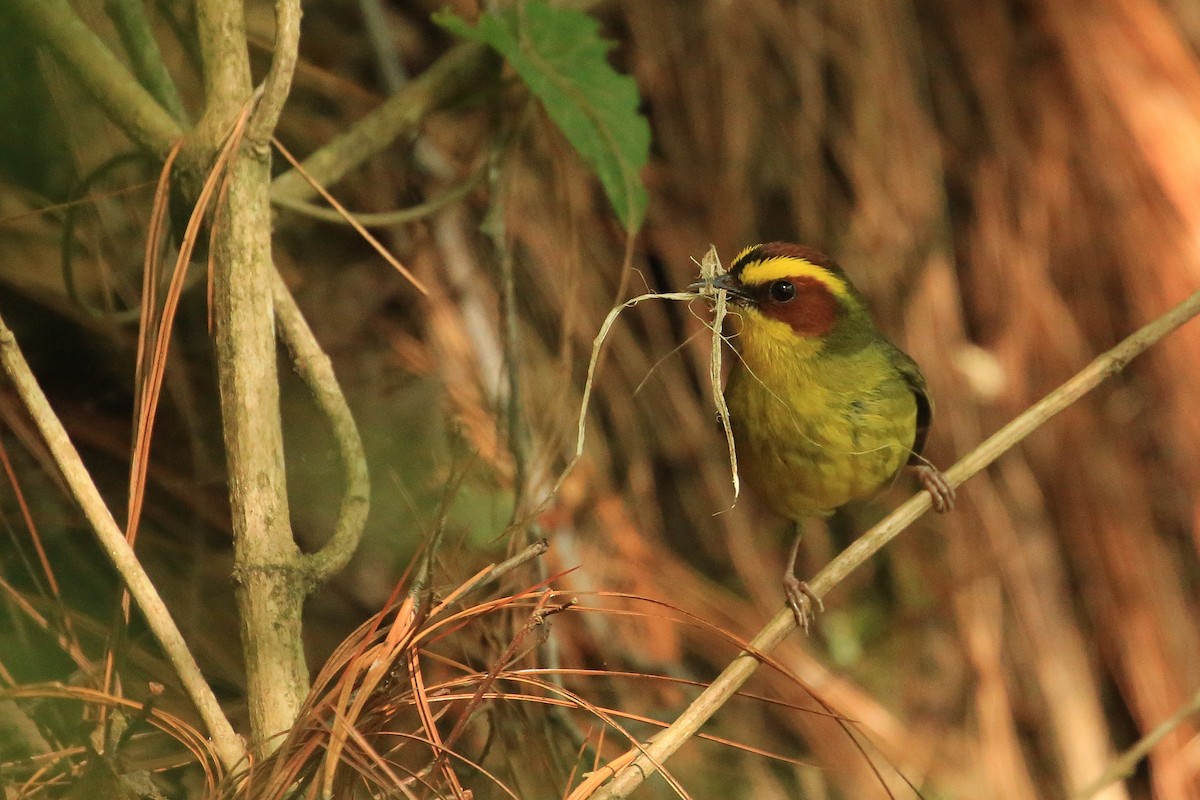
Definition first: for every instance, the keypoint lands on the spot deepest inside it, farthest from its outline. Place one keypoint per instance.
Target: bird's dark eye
(782, 291)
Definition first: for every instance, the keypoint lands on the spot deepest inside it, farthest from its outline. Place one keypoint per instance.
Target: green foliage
(560, 56)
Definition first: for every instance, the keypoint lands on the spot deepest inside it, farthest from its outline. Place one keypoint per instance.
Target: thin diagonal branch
(782, 624)
(55, 24)
(1126, 764)
(227, 743)
(462, 69)
(137, 37)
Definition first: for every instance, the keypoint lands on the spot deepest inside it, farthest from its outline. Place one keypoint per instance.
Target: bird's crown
(762, 263)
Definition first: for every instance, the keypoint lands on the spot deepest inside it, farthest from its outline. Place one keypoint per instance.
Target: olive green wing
(916, 383)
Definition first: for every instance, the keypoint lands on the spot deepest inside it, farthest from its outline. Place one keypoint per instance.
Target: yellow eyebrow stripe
(757, 273)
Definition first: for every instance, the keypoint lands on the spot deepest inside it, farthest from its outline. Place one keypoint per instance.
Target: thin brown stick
(69, 643)
(743, 666)
(492, 573)
(68, 639)
(537, 618)
(1126, 763)
(346, 215)
(226, 742)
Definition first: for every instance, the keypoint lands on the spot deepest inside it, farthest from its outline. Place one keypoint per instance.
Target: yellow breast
(816, 430)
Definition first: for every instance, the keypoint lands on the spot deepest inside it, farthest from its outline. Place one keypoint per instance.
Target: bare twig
(381, 219)
(316, 370)
(1126, 763)
(270, 570)
(278, 82)
(379, 34)
(225, 740)
(463, 69)
(55, 24)
(782, 624)
(519, 440)
(492, 573)
(269, 567)
(312, 364)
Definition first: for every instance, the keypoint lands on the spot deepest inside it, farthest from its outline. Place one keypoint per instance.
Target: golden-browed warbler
(824, 409)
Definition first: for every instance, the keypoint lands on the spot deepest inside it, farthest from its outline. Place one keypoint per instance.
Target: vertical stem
(221, 31)
(269, 569)
(518, 434)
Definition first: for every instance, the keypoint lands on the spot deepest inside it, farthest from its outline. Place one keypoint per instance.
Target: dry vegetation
(1012, 184)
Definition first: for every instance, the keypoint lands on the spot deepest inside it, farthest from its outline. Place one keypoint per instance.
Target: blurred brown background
(1014, 185)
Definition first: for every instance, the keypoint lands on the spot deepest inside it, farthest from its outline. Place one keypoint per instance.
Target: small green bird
(824, 409)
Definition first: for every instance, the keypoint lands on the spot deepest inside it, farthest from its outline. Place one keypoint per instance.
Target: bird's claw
(938, 487)
(802, 600)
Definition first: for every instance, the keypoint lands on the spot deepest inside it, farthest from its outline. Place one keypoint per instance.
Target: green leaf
(560, 56)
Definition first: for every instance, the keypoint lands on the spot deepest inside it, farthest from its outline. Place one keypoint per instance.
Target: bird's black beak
(727, 282)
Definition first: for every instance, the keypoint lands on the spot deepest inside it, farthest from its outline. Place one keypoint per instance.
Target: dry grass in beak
(710, 270)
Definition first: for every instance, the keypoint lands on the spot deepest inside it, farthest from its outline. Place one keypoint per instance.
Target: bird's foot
(938, 487)
(802, 600)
